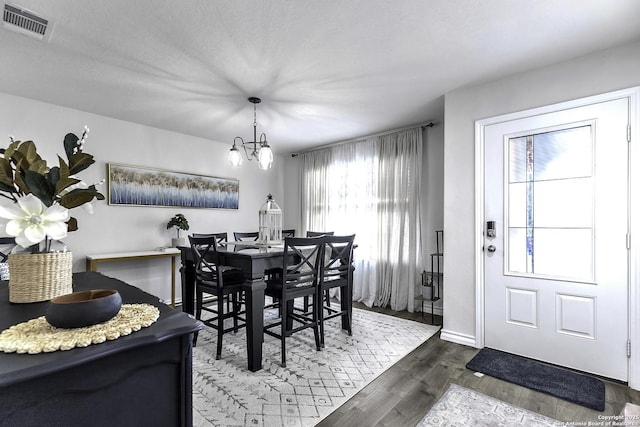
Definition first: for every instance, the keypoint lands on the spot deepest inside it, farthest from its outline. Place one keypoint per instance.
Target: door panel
(556, 284)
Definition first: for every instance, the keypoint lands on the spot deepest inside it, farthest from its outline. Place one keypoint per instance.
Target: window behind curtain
(370, 188)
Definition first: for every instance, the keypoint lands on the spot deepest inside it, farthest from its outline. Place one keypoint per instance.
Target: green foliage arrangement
(42, 195)
(179, 222)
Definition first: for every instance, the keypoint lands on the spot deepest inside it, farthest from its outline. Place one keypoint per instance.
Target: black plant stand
(432, 280)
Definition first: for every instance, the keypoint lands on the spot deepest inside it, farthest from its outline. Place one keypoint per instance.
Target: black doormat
(562, 383)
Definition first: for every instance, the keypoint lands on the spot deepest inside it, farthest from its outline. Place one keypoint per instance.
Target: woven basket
(39, 277)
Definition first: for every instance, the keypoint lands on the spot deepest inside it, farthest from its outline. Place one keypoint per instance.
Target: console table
(94, 260)
(139, 379)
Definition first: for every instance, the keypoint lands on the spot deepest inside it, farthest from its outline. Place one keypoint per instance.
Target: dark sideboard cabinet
(142, 379)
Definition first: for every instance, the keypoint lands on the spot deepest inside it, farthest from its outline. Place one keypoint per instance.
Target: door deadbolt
(491, 249)
(491, 229)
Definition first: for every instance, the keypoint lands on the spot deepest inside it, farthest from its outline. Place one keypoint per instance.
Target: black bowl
(83, 308)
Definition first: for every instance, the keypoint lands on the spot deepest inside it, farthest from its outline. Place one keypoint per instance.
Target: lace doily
(38, 336)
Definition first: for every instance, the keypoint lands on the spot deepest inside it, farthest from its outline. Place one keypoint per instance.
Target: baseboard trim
(458, 338)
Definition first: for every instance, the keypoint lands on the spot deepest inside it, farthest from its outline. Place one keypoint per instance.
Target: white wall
(127, 228)
(291, 213)
(593, 74)
(432, 197)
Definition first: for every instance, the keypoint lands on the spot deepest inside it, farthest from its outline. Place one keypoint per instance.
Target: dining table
(253, 258)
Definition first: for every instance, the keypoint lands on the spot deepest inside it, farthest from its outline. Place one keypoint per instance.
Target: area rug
(312, 385)
(562, 383)
(460, 406)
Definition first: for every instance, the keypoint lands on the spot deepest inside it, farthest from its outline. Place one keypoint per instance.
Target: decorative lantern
(270, 222)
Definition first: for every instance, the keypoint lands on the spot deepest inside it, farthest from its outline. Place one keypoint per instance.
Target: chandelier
(256, 149)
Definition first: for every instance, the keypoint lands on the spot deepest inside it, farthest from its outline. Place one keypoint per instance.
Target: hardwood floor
(402, 395)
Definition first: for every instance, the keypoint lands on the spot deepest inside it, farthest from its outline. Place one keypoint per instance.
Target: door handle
(491, 249)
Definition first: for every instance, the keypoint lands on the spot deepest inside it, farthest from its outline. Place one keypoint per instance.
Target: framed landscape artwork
(141, 186)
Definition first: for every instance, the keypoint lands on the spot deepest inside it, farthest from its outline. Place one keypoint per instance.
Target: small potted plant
(179, 222)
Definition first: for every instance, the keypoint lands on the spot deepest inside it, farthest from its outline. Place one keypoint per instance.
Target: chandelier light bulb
(235, 159)
(265, 157)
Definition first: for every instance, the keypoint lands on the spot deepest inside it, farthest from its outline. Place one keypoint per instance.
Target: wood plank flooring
(404, 394)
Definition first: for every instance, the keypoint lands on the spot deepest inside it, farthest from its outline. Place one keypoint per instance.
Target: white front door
(556, 272)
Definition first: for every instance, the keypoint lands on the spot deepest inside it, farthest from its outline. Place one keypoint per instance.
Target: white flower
(31, 221)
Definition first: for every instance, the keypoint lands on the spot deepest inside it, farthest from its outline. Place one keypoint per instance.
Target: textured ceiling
(326, 70)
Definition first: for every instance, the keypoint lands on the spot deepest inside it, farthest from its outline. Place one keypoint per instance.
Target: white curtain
(371, 188)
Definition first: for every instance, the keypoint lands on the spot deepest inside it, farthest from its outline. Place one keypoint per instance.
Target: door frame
(633, 292)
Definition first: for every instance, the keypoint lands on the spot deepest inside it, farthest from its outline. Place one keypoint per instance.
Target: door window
(550, 204)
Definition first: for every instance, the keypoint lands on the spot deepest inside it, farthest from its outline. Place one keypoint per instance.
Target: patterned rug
(312, 385)
(460, 406)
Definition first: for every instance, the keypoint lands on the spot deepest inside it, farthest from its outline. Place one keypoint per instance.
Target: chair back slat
(319, 233)
(246, 236)
(289, 233)
(220, 237)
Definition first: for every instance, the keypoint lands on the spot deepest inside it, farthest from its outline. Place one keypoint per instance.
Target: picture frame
(144, 186)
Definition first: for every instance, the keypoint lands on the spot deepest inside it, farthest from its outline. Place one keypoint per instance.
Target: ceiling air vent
(24, 22)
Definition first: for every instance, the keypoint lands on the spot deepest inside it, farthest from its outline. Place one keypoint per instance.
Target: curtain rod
(423, 125)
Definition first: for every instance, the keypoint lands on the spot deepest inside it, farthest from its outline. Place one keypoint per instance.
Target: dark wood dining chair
(6, 246)
(297, 278)
(246, 236)
(213, 278)
(336, 271)
(288, 233)
(221, 238)
(319, 233)
(314, 234)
